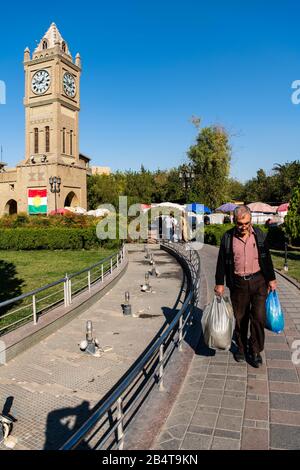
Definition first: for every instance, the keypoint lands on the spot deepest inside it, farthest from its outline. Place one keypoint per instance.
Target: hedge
(214, 233)
(52, 239)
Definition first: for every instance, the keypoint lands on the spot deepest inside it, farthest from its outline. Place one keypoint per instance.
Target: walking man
(245, 261)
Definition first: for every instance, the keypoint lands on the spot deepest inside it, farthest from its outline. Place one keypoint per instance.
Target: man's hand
(272, 286)
(219, 290)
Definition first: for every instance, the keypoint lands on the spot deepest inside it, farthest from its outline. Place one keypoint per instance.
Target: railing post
(89, 280)
(70, 291)
(102, 272)
(111, 265)
(34, 310)
(161, 368)
(66, 291)
(120, 432)
(180, 334)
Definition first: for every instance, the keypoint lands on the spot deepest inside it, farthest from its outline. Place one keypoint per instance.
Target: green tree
(292, 220)
(210, 158)
(235, 190)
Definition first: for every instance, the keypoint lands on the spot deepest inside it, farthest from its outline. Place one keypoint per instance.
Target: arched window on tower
(36, 140)
(71, 142)
(45, 44)
(47, 139)
(64, 140)
(63, 46)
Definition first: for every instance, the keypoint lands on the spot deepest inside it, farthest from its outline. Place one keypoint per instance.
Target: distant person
(206, 220)
(245, 261)
(268, 223)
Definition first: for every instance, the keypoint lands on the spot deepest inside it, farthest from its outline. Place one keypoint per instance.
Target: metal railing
(106, 427)
(30, 306)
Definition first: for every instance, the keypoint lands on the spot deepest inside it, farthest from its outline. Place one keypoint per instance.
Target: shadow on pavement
(62, 424)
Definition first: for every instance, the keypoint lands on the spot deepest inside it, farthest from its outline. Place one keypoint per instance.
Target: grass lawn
(293, 262)
(38, 268)
(24, 271)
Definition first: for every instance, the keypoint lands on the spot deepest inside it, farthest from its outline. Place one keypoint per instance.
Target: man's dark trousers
(248, 299)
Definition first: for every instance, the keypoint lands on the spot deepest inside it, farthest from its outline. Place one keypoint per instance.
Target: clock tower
(52, 105)
(52, 100)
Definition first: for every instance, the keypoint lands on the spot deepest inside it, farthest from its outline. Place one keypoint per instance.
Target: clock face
(40, 82)
(69, 85)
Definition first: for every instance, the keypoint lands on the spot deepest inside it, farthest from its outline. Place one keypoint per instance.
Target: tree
(235, 191)
(210, 158)
(286, 177)
(292, 220)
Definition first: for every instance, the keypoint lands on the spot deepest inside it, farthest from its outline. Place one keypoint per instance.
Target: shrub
(275, 235)
(52, 239)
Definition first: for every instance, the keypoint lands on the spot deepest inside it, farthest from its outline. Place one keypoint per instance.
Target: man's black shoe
(239, 356)
(255, 360)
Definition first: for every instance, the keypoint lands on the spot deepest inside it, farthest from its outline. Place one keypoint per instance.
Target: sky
(150, 65)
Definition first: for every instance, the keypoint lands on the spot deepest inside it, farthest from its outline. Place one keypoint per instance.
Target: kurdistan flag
(37, 201)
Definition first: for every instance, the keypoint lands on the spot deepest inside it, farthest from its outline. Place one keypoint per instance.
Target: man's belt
(248, 277)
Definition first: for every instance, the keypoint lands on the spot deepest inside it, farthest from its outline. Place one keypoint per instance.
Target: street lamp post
(55, 182)
(286, 267)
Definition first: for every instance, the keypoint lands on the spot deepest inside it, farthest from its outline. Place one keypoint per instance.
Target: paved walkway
(225, 405)
(53, 386)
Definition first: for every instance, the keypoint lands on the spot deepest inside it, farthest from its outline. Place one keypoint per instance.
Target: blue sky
(148, 66)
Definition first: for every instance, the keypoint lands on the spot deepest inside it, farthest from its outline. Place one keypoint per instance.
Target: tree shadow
(10, 284)
(63, 423)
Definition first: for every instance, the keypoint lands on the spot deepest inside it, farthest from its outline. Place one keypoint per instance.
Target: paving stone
(228, 434)
(282, 375)
(182, 407)
(287, 364)
(285, 437)
(275, 339)
(200, 430)
(234, 403)
(176, 432)
(214, 383)
(285, 417)
(181, 418)
(173, 444)
(235, 385)
(284, 387)
(230, 423)
(221, 370)
(210, 400)
(237, 370)
(196, 442)
(165, 436)
(204, 419)
(221, 443)
(276, 354)
(230, 412)
(285, 401)
(232, 393)
(255, 410)
(254, 439)
(257, 386)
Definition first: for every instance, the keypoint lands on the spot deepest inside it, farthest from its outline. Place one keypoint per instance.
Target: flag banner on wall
(37, 201)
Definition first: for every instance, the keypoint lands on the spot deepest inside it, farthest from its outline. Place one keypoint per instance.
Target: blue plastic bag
(275, 318)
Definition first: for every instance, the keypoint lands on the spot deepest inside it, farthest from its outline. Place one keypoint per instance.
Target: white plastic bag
(218, 323)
